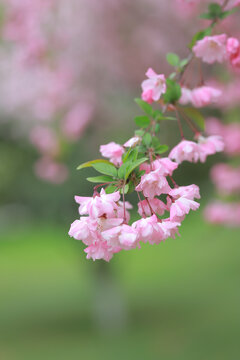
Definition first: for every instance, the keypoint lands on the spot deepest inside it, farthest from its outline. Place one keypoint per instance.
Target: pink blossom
(170, 228)
(233, 51)
(232, 3)
(113, 152)
(223, 213)
(154, 87)
(149, 230)
(165, 165)
(205, 95)
(211, 48)
(50, 170)
(133, 141)
(209, 146)
(84, 229)
(153, 183)
(104, 204)
(99, 250)
(186, 96)
(123, 236)
(45, 140)
(190, 192)
(76, 120)
(185, 150)
(156, 205)
(183, 201)
(181, 207)
(226, 178)
(120, 210)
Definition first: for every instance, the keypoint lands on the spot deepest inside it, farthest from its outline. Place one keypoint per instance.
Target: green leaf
(106, 169)
(139, 133)
(183, 62)
(155, 142)
(173, 59)
(214, 12)
(91, 163)
(144, 106)
(172, 75)
(199, 36)
(157, 115)
(122, 170)
(142, 121)
(125, 189)
(131, 155)
(111, 189)
(173, 92)
(157, 128)
(147, 139)
(133, 166)
(196, 116)
(161, 149)
(100, 179)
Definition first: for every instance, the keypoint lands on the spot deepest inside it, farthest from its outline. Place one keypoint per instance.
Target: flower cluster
(139, 166)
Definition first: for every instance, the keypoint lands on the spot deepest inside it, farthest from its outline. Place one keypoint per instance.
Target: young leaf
(196, 116)
(111, 189)
(199, 36)
(91, 163)
(173, 92)
(183, 62)
(142, 121)
(134, 166)
(173, 59)
(125, 189)
(157, 128)
(139, 133)
(106, 169)
(157, 115)
(100, 179)
(144, 106)
(122, 170)
(155, 142)
(161, 149)
(147, 139)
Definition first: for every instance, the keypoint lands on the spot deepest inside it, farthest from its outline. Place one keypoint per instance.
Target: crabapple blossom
(148, 230)
(138, 165)
(49, 170)
(186, 96)
(209, 146)
(145, 207)
(226, 178)
(113, 152)
(205, 95)
(185, 151)
(223, 213)
(183, 202)
(165, 165)
(98, 205)
(233, 51)
(153, 183)
(211, 48)
(154, 87)
(133, 141)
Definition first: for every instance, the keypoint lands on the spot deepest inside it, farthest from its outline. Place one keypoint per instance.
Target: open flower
(211, 48)
(185, 150)
(153, 184)
(145, 207)
(113, 152)
(209, 146)
(153, 87)
(103, 204)
(205, 95)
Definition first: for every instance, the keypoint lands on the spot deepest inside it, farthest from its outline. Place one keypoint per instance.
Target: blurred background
(69, 71)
